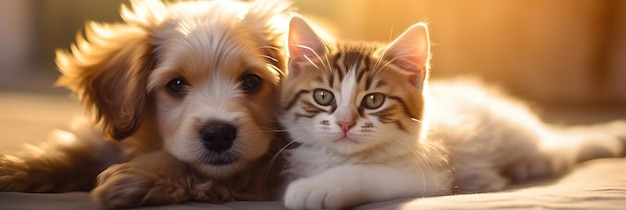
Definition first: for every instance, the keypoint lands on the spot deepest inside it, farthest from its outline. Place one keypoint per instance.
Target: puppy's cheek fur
(176, 128)
(258, 126)
(253, 142)
(267, 105)
(173, 127)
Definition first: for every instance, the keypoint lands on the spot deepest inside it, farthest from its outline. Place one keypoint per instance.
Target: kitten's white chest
(307, 161)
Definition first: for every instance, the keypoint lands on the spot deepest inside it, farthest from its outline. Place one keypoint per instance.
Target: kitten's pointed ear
(303, 42)
(411, 51)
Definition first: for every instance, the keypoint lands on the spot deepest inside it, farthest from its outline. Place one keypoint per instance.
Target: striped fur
(359, 147)
(373, 74)
(356, 109)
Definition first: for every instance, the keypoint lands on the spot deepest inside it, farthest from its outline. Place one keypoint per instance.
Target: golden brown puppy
(188, 88)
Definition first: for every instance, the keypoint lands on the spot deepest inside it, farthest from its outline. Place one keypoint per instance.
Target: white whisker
(314, 53)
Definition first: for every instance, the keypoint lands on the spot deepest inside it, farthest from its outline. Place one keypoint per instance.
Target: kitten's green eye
(373, 100)
(323, 97)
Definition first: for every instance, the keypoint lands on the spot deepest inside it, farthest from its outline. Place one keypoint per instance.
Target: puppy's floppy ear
(108, 69)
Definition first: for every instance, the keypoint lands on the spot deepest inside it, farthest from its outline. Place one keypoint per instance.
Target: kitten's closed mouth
(345, 139)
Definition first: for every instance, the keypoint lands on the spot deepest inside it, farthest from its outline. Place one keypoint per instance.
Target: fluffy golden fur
(188, 89)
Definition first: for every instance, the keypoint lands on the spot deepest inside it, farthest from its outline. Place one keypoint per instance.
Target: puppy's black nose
(218, 136)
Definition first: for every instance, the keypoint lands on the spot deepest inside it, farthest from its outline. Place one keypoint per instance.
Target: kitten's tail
(604, 140)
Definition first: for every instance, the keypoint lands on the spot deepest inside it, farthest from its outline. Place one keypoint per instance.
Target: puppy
(189, 90)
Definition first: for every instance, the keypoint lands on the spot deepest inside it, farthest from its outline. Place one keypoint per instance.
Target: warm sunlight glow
(64, 137)
(524, 47)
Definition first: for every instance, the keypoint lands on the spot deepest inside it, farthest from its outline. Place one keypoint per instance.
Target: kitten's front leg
(350, 185)
(152, 179)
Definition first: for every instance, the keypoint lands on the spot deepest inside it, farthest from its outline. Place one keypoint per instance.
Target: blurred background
(555, 53)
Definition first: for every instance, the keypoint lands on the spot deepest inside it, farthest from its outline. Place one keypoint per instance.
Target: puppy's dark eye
(177, 87)
(251, 82)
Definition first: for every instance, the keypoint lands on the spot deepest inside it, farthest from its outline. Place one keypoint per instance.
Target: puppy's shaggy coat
(189, 89)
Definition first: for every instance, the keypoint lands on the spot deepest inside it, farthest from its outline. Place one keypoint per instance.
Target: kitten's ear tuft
(411, 50)
(303, 42)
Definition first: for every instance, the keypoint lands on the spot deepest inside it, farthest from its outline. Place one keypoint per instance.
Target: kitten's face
(351, 97)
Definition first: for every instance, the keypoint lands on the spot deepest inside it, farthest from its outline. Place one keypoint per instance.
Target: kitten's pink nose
(345, 125)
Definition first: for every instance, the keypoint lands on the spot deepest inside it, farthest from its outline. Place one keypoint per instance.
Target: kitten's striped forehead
(357, 58)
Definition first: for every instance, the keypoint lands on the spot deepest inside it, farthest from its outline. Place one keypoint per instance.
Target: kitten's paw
(305, 194)
(528, 169)
(126, 186)
(479, 181)
(538, 166)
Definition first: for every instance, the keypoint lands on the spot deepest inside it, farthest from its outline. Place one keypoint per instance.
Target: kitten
(370, 127)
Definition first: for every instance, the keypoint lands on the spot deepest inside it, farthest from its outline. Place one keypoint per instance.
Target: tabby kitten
(369, 127)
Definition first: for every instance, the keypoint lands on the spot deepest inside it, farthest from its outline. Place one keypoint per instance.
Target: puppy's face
(215, 92)
(209, 68)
